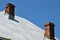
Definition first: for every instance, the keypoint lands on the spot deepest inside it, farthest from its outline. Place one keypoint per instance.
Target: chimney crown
(10, 5)
(49, 24)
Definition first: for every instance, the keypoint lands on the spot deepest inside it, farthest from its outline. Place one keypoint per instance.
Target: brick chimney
(10, 8)
(49, 31)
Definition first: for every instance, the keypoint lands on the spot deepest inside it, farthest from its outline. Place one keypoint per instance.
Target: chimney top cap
(49, 23)
(10, 5)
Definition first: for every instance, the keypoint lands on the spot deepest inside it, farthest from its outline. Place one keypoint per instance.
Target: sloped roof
(21, 30)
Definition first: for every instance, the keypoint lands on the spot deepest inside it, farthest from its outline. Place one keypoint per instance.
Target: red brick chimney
(49, 31)
(10, 8)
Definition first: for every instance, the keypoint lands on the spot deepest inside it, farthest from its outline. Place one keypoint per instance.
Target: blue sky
(37, 11)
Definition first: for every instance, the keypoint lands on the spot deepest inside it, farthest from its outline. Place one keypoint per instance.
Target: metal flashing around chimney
(49, 31)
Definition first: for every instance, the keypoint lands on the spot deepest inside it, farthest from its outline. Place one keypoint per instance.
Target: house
(23, 29)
